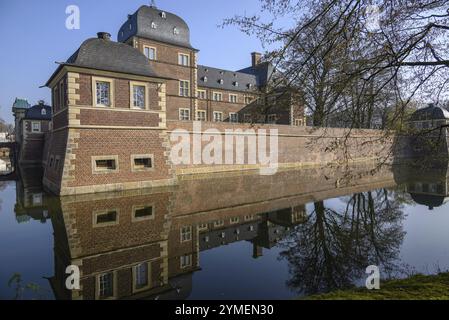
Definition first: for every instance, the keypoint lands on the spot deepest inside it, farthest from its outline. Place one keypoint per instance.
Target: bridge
(13, 156)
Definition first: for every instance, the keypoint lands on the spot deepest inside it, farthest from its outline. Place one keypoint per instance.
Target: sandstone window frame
(233, 98)
(218, 116)
(272, 118)
(96, 170)
(134, 274)
(150, 49)
(203, 227)
(186, 234)
(186, 261)
(38, 128)
(217, 96)
(183, 59)
(181, 116)
(202, 94)
(234, 220)
(298, 122)
(134, 157)
(203, 112)
(219, 223)
(236, 119)
(111, 82)
(98, 285)
(97, 213)
(135, 208)
(184, 88)
(146, 105)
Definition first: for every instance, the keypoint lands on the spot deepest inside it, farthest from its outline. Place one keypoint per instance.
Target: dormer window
(43, 112)
(130, 26)
(153, 25)
(163, 15)
(205, 79)
(250, 85)
(221, 72)
(175, 31)
(221, 81)
(236, 84)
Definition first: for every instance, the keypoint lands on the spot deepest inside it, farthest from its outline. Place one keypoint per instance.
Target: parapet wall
(296, 146)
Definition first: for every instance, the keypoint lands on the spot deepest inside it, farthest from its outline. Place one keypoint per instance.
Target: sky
(34, 36)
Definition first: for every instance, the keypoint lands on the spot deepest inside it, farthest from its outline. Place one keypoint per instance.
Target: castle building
(112, 101)
(31, 126)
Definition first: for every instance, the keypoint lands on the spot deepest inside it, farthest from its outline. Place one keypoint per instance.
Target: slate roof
(113, 56)
(431, 201)
(230, 79)
(21, 104)
(35, 112)
(148, 22)
(431, 112)
(262, 72)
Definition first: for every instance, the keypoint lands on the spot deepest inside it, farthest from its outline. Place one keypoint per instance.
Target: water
(230, 236)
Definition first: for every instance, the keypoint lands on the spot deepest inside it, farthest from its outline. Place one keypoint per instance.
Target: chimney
(104, 36)
(255, 58)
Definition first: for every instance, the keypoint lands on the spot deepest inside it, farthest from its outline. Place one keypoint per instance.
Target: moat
(228, 236)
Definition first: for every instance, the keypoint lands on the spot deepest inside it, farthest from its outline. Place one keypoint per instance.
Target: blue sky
(34, 36)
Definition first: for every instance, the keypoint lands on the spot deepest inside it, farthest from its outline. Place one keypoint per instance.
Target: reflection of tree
(335, 245)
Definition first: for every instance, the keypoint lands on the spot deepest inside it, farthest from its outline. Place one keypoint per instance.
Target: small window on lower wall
(105, 218)
(142, 162)
(141, 213)
(105, 164)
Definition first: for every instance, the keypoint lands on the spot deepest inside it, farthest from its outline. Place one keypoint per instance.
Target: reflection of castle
(430, 187)
(145, 244)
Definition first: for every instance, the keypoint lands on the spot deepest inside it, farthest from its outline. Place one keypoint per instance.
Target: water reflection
(147, 244)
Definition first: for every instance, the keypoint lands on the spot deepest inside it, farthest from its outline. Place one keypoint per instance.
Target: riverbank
(418, 287)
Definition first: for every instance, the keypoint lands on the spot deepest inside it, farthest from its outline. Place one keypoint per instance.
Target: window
(106, 218)
(138, 98)
(106, 285)
(249, 217)
(218, 223)
(142, 162)
(248, 100)
(298, 122)
(234, 220)
(51, 161)
(35, 126)
(141, 213)
(218, 116)
(57, 163)
(141, 276)
(43, 112)
(186, 261)
(62, 94)
(104, 92)
(202, 227)
(37, 199)
(175, 31)
(105, 164)
(221, 81)
(186, 234)
(150, 52)
(205, 79)
(163, 15)
(218, 96)
(233, 117)
(153, 25)
(184, 88)
(184, 59)
(184, 114)
(233, 98)
(271, 118)
(201, 115)
(236, 84)
(202, 94)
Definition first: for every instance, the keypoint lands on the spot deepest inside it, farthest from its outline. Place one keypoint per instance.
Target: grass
(417, 287)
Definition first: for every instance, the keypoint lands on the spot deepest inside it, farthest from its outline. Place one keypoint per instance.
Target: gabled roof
(154, 24)
(224, 79)
(36, 112)
(21, 104)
